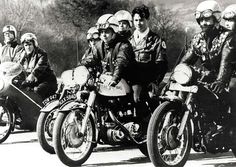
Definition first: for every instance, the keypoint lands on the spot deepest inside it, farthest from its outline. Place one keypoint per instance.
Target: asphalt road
(22, 149)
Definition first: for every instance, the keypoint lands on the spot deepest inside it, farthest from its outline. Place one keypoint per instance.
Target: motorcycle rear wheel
(163, 147)
(66, 138)
(44, 131)
(6, 123)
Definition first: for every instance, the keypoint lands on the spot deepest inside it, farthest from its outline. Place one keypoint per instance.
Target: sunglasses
(229, 15)
(204, 14)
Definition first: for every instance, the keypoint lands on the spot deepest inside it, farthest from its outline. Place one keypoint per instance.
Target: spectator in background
(9, 51)
(40, 76)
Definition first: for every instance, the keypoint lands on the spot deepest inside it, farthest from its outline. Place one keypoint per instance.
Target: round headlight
(81, 75)
(182, 74)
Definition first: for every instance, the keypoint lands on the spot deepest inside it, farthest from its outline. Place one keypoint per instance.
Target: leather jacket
(9, 51)
(217, 53)
(151, 57)
(117, 58)
(37, 63)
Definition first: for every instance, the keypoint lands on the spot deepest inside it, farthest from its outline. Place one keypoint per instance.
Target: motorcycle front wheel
(73, 148)
(163, 146)
(45, 129)
(6, 123)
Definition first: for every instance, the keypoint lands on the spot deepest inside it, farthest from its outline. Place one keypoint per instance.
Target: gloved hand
(217, 87)
(112, 83)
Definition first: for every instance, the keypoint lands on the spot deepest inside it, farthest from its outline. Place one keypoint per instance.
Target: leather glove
(217, 87)
(112, 83)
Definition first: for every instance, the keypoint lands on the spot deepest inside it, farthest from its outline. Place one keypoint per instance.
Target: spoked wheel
(163, 146)
(44, 130)
(73, 148)
(6, 123)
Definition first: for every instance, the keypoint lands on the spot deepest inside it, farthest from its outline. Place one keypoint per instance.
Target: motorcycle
(50, 108)
(101, 114)
(18, 107)
(190, 116)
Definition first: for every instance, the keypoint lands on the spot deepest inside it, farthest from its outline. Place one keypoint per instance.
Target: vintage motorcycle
(50, 108)
(190, 116)
(17, 106)
(100, 114)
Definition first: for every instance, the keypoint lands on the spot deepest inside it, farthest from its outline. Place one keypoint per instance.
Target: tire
(44, 131)
(71, 140)
(6, 123)
(161, 141)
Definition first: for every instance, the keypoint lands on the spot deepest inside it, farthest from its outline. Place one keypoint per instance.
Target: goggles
(92, 36)
(204, 14)
(229, 15)
(106, 26)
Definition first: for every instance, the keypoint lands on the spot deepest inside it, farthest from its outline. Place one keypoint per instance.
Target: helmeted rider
(115, 56)
(40, 76)
(229, 17)
(10, 48)
(125, 23)
(215, 46)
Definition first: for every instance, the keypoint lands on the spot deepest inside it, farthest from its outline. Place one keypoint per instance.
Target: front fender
(72, 105)
(51, 106)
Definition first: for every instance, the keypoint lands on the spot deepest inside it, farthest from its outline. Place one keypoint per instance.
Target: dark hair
(142, 11)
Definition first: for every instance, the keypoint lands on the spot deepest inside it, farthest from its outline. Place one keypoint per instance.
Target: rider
(151, 58)
(229, 16)
(92, 39)
(40, 77)
(9, 50)
(215, 46)
(125, 24)
(111, 53)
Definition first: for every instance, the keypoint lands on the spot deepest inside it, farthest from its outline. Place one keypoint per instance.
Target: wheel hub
(169, 136)
(74, 136)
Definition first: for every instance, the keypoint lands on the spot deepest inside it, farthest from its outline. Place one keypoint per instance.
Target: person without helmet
(151, 58)
(229, 16)
(113, 55)
(125, 24)
(9, 50)
(40, 76)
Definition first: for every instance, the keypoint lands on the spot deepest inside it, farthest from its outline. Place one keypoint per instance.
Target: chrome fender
(51, 106)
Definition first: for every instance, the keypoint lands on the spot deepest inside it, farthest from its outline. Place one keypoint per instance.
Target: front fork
(186, 115)
(90, 103)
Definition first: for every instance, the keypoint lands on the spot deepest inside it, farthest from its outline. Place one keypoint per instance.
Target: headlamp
(182, 74)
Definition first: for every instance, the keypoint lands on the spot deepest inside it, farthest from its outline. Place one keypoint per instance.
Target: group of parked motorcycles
(85, 111)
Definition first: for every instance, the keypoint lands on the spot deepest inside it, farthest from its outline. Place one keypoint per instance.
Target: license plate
(68, 98)
(50, 98)
(178, 87)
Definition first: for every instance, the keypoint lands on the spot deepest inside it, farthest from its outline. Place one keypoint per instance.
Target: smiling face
(106, 35)
(206, 24)
(140, 23)
(29, 47)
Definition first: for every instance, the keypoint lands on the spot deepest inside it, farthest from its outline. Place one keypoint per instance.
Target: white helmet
(29, 37)
(10, 28)
(124, 15)
(92, 33)
(230, 12)
(207, 9)
(107, 21)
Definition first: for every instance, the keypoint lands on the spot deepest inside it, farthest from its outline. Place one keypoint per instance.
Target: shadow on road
(137, 160)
